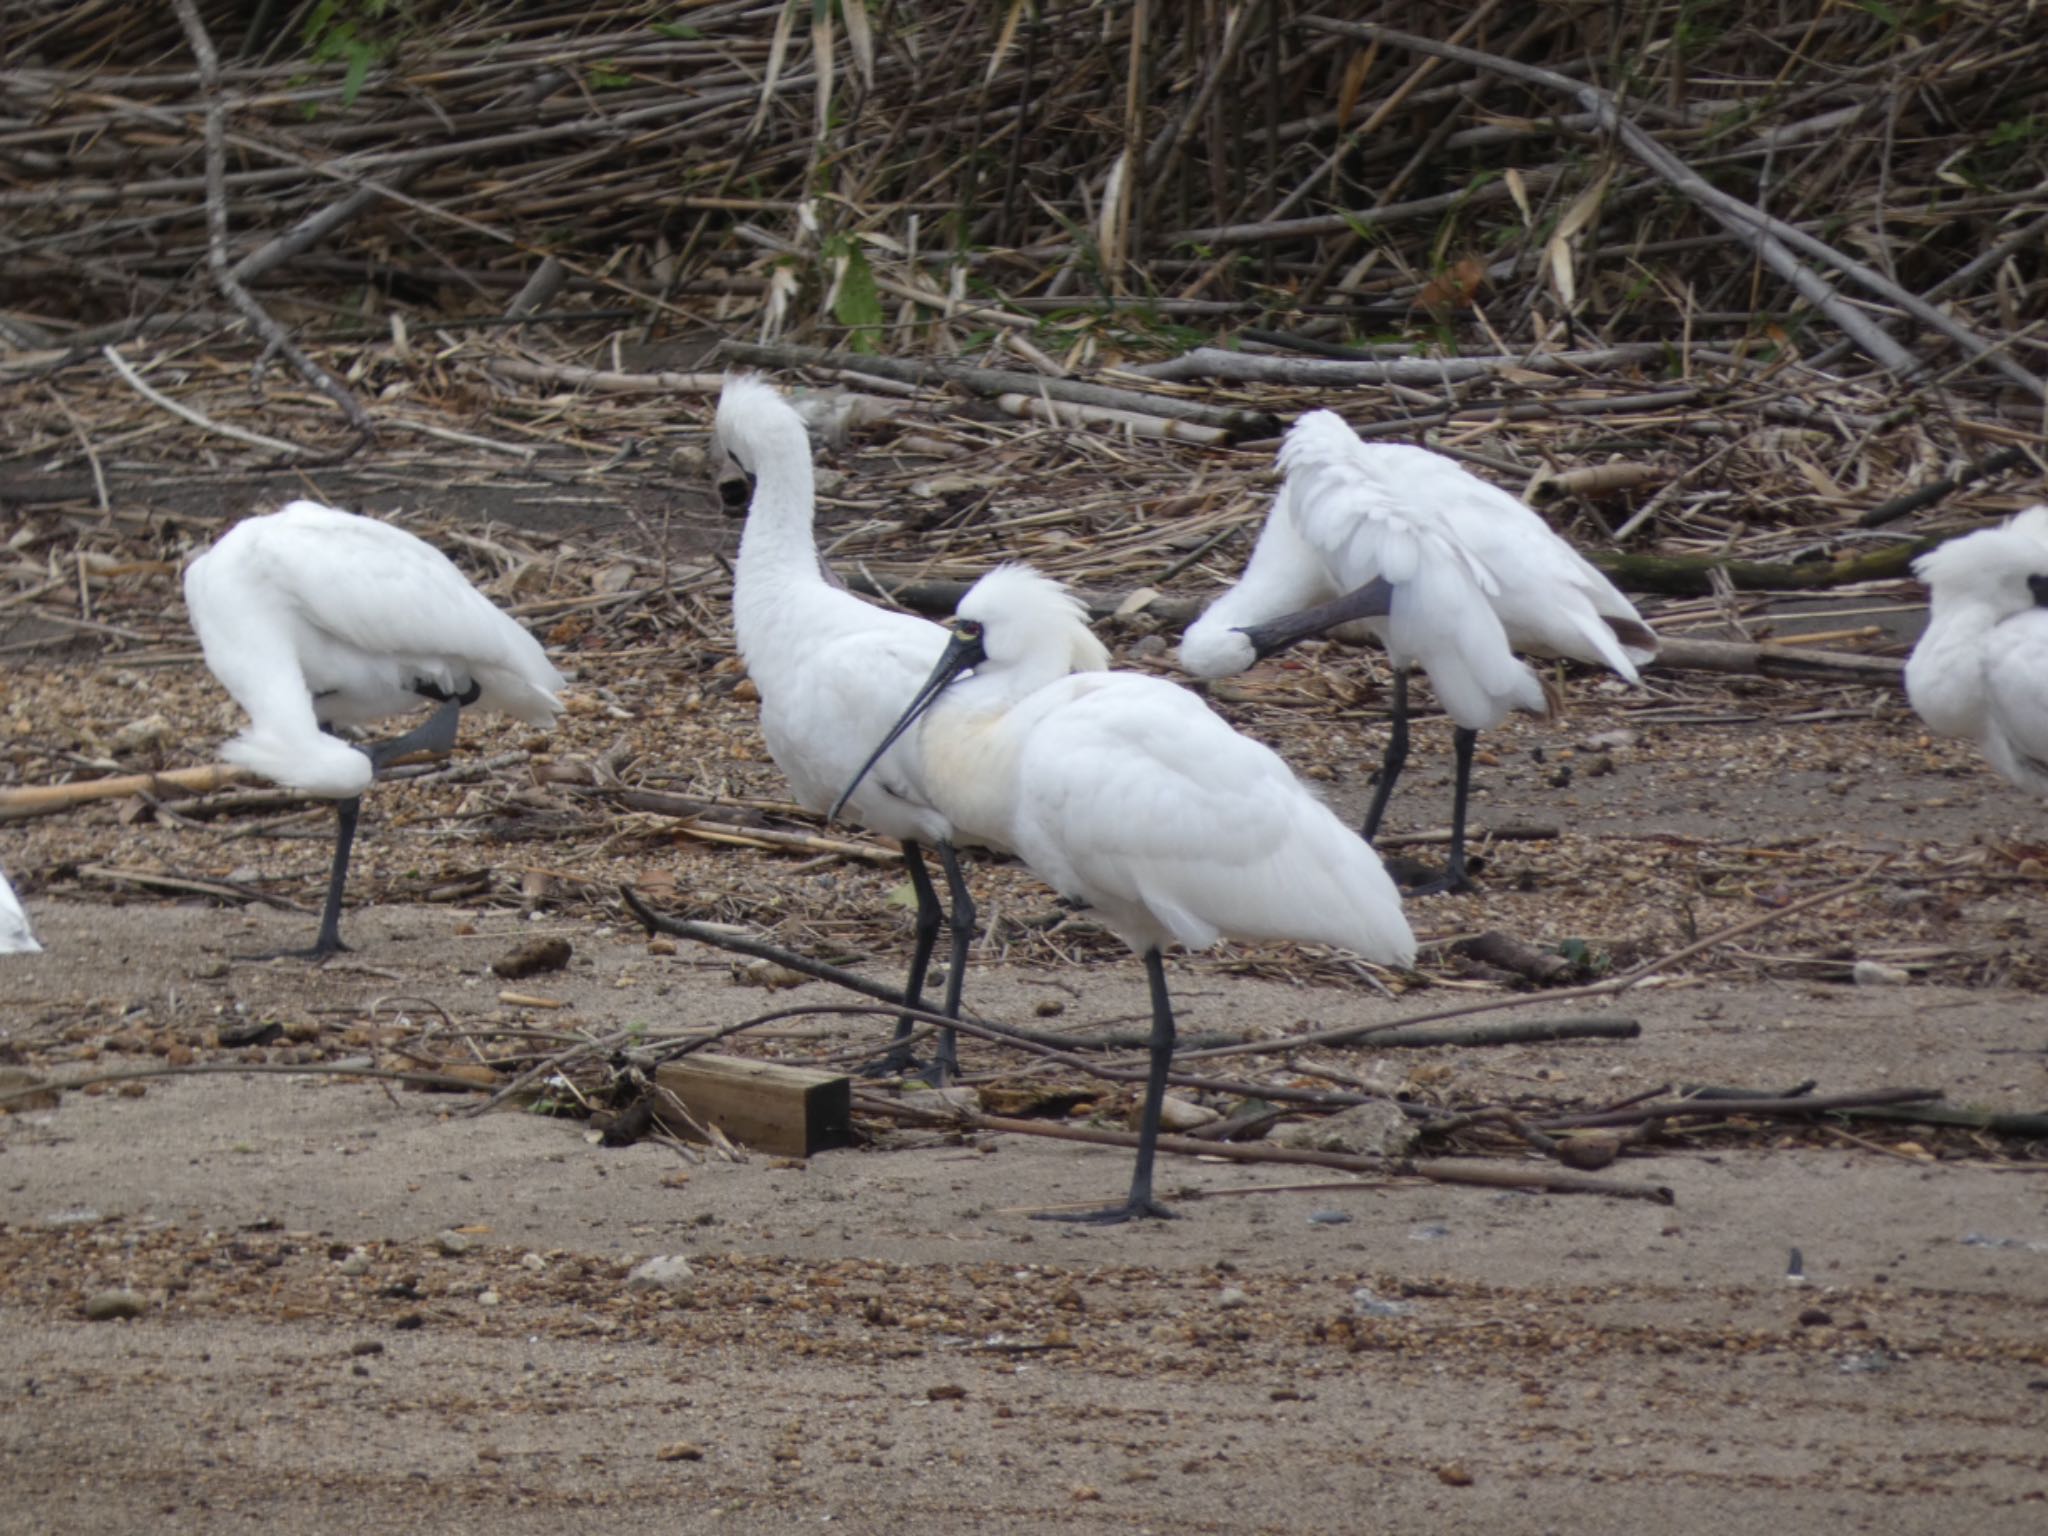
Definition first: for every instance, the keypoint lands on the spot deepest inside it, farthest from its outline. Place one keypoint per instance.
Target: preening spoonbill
(1980, 671)
(1127, 792)
(314, 618)
(834, 671)
(15, 936)
(1454, 575)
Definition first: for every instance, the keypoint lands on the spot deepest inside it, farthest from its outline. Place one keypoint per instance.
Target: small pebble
(667, 1272)
(681, 1450)
(1230, 1298)
(109, 1306)
(1328, 1218)
(357, 1263)
(532, 958)
(452, 1242)
(1869, 973)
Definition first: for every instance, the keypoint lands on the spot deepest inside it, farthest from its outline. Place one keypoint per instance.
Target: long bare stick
(198, 418)
(217, 232)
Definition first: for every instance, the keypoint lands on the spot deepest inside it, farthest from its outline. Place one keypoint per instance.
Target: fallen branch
(48, 799)
(1682, 654)
(998, 381)
(152, 880)
(1797, 1106)
(217, 232)
(198, 419)
(1436, 1171)
(1325, 373)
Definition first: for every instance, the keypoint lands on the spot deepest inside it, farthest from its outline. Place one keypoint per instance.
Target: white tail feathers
(321, 765)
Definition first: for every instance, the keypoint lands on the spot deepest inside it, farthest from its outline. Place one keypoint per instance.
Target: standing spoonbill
(834, 671)
(314, 618)
(16, 938)
(1980, 671)
(1454, 575)
(1129, 793)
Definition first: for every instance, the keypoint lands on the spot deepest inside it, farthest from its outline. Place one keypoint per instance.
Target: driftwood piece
(317, 226)
(1068, 413)
(605, 381)
(1530, 1032)
(49, 799)
(1694, 575)
(1926, 495)
(1506, 952)
(1799, 1105)
(1000, 381)
(1254, 368)
(1437, 1170)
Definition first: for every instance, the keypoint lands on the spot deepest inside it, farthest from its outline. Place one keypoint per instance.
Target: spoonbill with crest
(1129, 793)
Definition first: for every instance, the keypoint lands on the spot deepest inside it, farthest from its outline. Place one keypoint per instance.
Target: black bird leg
(960, 919)
(435, 734)
(899, 1060)
(1140, 1203)
(1395, 759)
(1453, 879)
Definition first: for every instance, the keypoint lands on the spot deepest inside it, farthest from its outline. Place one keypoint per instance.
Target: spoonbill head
(314, 618)
(1451, 573)
(1128, 793)
(1980, 670)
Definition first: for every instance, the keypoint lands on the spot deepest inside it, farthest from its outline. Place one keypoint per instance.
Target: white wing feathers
(1181, 830)
(380, 590)
(2016, 689)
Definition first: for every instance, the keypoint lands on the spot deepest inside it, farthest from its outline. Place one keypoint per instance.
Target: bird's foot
(1416, 878)
(316, 953)
(896, 1064)
(1445, 883)
(1114, 1215)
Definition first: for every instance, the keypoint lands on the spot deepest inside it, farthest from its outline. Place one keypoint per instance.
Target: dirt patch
(884, 1336)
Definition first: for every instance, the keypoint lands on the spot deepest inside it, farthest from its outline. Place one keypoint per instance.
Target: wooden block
(790, 1111)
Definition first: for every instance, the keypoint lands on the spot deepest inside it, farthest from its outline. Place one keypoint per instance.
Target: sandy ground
(884, 1340)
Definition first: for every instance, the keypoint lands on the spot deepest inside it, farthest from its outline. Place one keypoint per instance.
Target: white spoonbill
(1980, 671)
(314, 618)
(834, 671)
(1454, 575)
(15, 935)
(1129, 793)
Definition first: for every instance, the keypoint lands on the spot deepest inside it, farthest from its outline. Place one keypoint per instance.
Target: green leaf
(859, 303)
(360, 57)
(681, 31)
(608, 80)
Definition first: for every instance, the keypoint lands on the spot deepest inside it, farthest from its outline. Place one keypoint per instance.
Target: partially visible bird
(16, 938)
(1129, 793)
(315, 618)
(1980, 670)
(1453, 574)
(834, 671)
